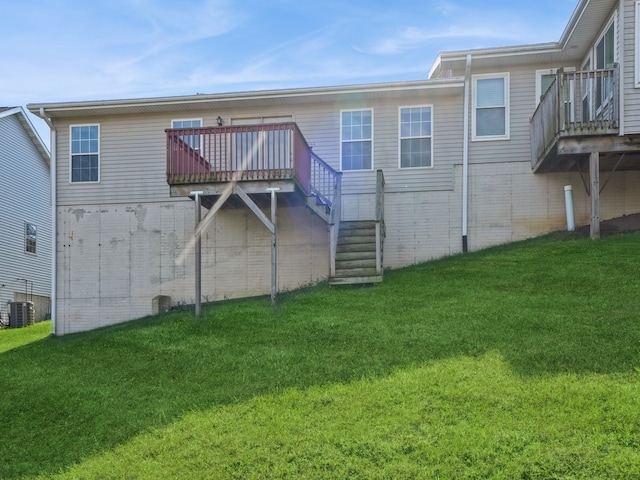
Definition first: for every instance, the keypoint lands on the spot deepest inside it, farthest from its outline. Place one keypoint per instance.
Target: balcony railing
(576, 104)
(276, 151)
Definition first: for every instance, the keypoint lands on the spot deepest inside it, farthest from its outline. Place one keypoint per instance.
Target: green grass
(516, 362)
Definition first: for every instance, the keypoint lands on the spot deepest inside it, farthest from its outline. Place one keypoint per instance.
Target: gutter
(54, 223)
(465, 156)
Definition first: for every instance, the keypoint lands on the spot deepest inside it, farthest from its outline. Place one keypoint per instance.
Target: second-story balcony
(576, 106)
(254, 156)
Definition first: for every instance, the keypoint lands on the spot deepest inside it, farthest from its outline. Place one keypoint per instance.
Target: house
(25, 222)
(179, 200)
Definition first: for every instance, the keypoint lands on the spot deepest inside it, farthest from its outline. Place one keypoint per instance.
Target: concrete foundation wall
(113, 260)
(507, 203)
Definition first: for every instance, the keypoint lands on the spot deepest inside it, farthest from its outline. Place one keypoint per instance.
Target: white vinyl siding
(356, 133)
(25, 196)
(491, 107)
(85, 154)
(416, 137)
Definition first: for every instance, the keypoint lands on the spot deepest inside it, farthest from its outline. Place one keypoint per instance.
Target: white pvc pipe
(465, 156)
(568, 202)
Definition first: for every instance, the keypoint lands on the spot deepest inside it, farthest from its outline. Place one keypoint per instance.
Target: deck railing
(324, 180)
(247, 152)
(276, 151)
(575, 104)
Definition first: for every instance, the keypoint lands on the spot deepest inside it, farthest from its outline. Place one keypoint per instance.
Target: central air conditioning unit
(21, 314)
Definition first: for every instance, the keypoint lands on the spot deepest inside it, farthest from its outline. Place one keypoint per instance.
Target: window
(30, 238)
(415, 137)
(192, 140)
(604, 59)
(356, 128)
(85, 162)
(544, 79)
(491, 107)
(585, 88)
(547, 77)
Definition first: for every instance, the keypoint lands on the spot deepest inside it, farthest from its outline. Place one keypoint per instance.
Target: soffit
(581, 32)
(257, 99)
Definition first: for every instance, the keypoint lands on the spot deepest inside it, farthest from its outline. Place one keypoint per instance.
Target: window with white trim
(491, 107)
(604, 55)
(192, 140)
(416, 145)
(30, 231)
(356, 146)
(85, 153)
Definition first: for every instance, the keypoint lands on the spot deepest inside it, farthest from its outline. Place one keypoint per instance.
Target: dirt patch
(624, 224)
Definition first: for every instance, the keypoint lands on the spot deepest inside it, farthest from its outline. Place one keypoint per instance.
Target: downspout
(54, 224)
(465, 156)
(620, 60)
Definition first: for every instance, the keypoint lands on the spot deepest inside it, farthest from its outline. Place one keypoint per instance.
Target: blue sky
(57, 50)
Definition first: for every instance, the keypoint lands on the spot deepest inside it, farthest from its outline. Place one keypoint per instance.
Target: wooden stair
(356, 254)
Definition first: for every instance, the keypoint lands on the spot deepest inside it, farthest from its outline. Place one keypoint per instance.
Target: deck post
(274, 247)
(594, 172)
(198, 252)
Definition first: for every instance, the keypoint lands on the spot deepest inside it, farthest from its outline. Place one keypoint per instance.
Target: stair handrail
(326, 186)
(323, 180)
(379, 221)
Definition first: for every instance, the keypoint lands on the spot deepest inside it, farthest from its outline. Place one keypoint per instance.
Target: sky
(72, 50)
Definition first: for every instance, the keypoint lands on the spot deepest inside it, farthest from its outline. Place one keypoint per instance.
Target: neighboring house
(369, 176)
(25, 221)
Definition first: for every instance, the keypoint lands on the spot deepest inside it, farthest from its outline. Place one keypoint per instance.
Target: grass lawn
(518, 362)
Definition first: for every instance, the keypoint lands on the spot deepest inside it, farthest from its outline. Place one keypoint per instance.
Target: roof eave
(50, 109)
(24, 120)
(573, 22)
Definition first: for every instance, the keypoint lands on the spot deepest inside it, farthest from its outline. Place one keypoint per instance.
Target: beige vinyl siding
(631, 39)
(522, 105)
(132, 162)
(133, 149)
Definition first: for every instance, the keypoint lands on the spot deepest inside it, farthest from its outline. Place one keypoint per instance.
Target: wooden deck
(577, 114)
(257, 158)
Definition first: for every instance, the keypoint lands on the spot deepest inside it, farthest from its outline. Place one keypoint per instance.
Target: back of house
(177, 200)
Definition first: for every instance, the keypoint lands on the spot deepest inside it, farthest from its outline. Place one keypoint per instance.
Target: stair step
(355, 272)
(347, 225)
(356, 254)
(356, 247)
(362, 255)
(355, 280)
(356, 239)
(361, 232)
(351, 264)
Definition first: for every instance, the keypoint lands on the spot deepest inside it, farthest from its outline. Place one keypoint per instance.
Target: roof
(578, 36)
(22, 117)
(239, 99)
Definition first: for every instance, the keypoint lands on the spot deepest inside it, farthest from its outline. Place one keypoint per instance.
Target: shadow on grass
(548, 306)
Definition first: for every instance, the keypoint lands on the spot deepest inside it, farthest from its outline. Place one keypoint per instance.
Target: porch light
(219, 120)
